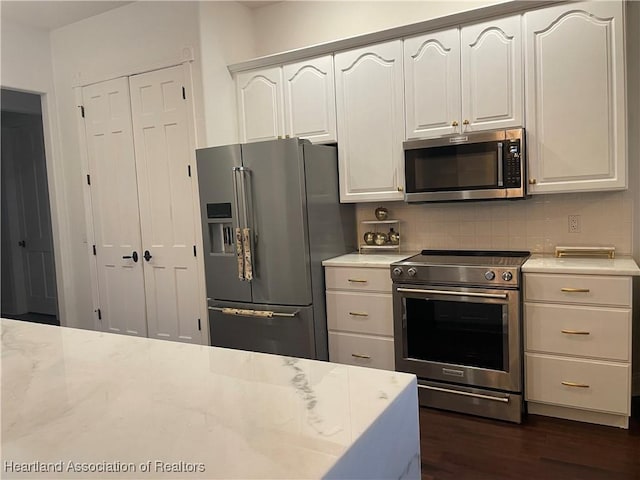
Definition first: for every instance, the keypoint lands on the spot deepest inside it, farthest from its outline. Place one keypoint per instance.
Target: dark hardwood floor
(33, 317)
(457, 446)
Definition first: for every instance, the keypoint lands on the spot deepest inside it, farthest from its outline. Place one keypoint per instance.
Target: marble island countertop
(83, 404)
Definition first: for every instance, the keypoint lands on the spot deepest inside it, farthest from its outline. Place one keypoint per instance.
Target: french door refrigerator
(270, 215)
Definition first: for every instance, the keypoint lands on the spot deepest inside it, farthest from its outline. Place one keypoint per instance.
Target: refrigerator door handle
(246, 232)
(238, 231)
(253, 313)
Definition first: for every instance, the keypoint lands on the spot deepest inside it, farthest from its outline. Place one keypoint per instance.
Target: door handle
(22, 243)
(147, 256)
(133, 256)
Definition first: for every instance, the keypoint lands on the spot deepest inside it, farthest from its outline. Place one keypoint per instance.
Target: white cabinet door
(370, 111)
(163, 155)
(310, 100)
(114, 206)
(575, 93)
(491, 64)
(260, 104)
(432, 84)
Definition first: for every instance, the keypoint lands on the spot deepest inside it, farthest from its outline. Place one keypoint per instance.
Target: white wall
(26, 65)
(226, 37)
(290, 25)
(134, 38)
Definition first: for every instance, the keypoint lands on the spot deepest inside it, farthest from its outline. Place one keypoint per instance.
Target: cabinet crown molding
(456, 19)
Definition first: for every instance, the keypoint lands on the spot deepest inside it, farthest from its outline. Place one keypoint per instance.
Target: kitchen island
(78, 404)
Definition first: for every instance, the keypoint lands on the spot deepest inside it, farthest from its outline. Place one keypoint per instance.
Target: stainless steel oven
(457, 326)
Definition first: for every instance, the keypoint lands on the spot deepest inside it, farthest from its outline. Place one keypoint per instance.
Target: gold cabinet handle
(574, 290)
(400, 189)
(573, 384)
(359, 314)
(360, 355)
(532, 181)
(454, 123)
(575, 332)
(466, 122)
(355, 280)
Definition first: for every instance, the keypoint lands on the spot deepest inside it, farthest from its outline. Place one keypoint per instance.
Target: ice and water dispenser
(220, 228)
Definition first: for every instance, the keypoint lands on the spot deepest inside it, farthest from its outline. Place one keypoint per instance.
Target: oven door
(466, 336)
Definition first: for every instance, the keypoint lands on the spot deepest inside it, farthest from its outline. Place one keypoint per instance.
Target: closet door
(114, 205)
(163, 154)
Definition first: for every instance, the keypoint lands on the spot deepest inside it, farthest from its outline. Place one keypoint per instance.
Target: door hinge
(88, 179)
(81, 110)
(189, 169)
(194, 251)
(184, 93)
(99, 314)
(199, 325)
(94, 250)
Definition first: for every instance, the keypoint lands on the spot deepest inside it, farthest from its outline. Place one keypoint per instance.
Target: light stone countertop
(588, 266)
(379, 260)
(106, 401)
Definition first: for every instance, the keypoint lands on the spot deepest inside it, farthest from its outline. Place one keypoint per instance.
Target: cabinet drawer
(365, 279)
(361, 350)
(606, 385)
(574, 330)
(581, 289)
(370, 313)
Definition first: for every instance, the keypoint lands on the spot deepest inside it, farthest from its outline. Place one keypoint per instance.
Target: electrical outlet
(574, 223)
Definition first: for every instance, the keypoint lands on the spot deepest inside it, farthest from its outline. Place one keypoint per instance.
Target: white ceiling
(49, 15)
(52, 14)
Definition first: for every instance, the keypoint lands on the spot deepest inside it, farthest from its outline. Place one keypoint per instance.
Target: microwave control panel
(512, 164)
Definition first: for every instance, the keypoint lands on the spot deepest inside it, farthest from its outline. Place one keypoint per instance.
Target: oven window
(461, 333)
(452, 167)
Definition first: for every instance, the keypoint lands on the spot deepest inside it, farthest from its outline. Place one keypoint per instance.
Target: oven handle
(503, 296)
(466, 394)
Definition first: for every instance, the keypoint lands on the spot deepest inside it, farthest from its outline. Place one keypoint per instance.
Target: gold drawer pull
(573, 384)
(574, 290)
(355, 280)
(576, 332)
(360, 355)
(359, 314)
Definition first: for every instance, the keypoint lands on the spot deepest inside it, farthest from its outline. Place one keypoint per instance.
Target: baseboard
(620, 421)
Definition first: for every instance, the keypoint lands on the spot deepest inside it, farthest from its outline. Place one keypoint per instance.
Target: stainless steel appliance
(457, 327)
(270, 215)
(474, 166)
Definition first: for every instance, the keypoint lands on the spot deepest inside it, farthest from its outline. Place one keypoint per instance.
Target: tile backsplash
(537, 223)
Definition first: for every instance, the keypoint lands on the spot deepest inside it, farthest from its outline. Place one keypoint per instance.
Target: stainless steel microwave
(474, 166)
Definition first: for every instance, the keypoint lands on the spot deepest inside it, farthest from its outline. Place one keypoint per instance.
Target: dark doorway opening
(28, 269)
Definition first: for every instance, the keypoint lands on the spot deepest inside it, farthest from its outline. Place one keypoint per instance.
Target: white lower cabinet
(360, 316)
(578, 347)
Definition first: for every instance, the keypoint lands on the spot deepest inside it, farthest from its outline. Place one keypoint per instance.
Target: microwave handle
(500, 165)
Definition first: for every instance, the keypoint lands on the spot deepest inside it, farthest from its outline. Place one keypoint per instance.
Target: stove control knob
(412, 272)
(489, 275)
(397, 272)
(506, 276)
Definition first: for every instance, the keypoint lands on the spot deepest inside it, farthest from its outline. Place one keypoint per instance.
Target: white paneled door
(142, 199)
(165, 190)
(114, 201)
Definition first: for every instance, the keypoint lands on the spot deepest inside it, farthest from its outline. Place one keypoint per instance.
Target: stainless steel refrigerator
(270, 215)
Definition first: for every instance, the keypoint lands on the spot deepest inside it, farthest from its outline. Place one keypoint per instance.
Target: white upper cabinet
(297, 100)
(432, 84)
(464, 80)
(260, 104)
(492, 85)
(575, 98)
(370, 112)
(310, 100)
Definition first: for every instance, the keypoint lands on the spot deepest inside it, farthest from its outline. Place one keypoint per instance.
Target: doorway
(28, 269)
